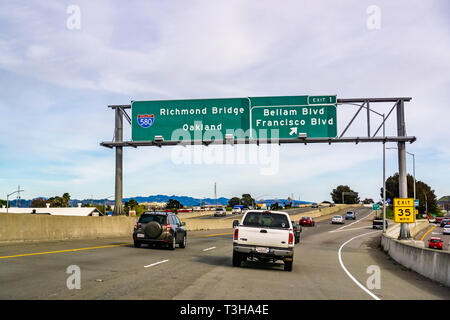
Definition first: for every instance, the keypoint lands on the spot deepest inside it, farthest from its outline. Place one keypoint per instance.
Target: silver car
(220, 212)
(337, 219)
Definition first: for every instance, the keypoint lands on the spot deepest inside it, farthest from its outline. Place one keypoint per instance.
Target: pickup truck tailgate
(270, 237)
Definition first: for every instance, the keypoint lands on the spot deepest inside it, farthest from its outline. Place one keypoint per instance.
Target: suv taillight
(168, 227)
(135, 225)
(291, 238)
(236, 233)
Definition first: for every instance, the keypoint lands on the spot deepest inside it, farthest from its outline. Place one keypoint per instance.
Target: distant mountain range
(184, 200)
(445, 198)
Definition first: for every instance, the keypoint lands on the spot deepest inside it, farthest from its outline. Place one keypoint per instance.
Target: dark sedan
(297, 231)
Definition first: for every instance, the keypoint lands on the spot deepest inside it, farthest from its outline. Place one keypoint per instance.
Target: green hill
(445, 198)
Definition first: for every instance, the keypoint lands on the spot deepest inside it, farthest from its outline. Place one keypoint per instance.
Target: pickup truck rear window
(149, 218)
(266, 220)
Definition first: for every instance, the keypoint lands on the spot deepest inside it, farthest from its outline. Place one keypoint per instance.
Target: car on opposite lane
(350, 215)
(446, 229)
(444, 222)
(337, 219)
(438, 220)
(307, 221)
(159, 228)
(220, 212)
(435, 243)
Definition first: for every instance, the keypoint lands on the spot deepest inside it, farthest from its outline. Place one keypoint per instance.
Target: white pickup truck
(266, 236)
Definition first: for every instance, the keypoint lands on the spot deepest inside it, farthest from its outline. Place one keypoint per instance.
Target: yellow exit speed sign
(404, 210)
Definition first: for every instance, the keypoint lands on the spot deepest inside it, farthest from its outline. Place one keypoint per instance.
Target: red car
(435, 243)
(438, 219)
(307, 221)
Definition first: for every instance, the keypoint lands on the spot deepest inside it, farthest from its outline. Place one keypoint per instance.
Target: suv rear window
(153, 217)
(266, 220)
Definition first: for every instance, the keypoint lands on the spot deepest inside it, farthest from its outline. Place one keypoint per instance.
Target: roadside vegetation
(336, 195)
(424, 193)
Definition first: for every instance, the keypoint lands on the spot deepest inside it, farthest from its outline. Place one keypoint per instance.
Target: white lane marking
(366, 227)
(156, 263)
(207, 249)
(348, 225)
(348, 273)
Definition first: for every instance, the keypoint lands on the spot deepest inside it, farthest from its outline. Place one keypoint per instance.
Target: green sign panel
(218, 119)
(288, 117)
(416, 202)
(376, 206)
(200, 119)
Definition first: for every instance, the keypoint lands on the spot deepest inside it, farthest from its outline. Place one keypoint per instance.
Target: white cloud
(58, 81)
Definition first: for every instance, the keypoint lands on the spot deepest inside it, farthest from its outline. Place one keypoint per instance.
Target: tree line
(424, 193)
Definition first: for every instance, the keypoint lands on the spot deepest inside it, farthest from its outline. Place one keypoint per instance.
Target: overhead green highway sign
(199, 119)
(289, 117)
(236, 118)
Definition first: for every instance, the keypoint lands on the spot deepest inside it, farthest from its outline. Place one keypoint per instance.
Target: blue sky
(56, 83)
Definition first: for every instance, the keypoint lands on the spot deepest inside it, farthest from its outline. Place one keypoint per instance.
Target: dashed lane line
(156, 263)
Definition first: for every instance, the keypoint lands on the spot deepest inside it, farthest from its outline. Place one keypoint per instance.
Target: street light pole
(414, 173)
(104, 204)
(414, 170)
(7, 198)
(384, 178)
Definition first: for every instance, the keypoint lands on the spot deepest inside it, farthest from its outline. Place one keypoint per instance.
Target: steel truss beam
(259, 141)
(360, 102)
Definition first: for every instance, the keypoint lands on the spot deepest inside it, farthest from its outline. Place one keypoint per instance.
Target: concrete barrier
(414, 228)
(27, 227)
(430, 263)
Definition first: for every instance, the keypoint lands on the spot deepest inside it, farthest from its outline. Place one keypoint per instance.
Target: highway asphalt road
(330, 262)
(237, 216)
(435, 231)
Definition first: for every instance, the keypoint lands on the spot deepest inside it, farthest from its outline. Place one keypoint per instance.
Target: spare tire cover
(153, 230)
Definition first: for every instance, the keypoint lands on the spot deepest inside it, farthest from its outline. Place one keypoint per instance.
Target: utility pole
(215, 192)
(402, 183)
(426, 202)
(7, 198)
(384, 178)
(118, 134)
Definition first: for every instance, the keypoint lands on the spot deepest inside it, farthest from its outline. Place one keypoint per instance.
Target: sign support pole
(118, 133)
(384, 178)
(403, 186)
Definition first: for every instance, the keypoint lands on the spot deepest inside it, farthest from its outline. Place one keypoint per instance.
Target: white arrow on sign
(293, 131)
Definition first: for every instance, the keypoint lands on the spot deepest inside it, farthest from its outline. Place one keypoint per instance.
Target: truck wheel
(237, 259)
(137, 244)
(288, 265)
